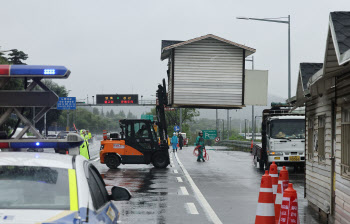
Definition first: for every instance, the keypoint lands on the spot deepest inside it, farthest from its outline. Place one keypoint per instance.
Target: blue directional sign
(176, 128)
(66, 103)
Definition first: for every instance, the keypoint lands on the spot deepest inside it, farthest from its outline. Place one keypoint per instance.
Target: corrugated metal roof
(165, 50)
(307, 70)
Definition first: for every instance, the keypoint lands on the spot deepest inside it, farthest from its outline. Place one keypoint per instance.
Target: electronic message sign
(117, 99)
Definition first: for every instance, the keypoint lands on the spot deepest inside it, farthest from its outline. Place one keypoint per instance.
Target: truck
(137, 142)
(185, 143)
(283, 137)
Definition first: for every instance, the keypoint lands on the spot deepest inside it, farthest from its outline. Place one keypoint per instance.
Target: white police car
(54, 188)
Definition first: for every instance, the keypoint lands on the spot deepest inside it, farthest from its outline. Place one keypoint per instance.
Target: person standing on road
(200, 143)
(84, 150)
(174, 142)
(181, 141)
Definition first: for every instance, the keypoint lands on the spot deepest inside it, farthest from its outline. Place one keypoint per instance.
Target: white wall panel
(208, 72)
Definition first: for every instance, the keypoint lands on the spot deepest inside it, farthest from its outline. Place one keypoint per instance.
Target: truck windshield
(288, 129)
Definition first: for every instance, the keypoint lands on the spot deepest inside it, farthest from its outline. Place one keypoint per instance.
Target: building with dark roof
(324, 90)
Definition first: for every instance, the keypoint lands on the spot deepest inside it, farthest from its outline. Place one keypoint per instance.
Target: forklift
(138, 143)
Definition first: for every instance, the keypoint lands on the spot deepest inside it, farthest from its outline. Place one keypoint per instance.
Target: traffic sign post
(209, 134)
(176, 128)
(66, 103)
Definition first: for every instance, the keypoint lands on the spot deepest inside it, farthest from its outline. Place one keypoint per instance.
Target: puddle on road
(148, 187)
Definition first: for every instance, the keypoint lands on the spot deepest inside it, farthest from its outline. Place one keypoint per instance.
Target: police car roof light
(33, 71)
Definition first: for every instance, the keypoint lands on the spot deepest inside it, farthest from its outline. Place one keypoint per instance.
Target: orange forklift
(137, 143)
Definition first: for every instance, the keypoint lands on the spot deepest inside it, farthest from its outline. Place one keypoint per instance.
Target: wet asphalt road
(229, 182)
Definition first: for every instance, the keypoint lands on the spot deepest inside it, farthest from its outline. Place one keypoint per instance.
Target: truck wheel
(261, 164)
(112, 161)
(160, 160)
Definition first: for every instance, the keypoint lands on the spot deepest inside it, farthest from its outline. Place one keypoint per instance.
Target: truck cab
(137, 143)
(285, 140)
(283, 137)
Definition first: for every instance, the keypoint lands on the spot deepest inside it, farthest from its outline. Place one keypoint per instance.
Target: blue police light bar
(33, 71)
(73, 140)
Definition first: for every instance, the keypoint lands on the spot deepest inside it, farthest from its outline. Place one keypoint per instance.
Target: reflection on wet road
(229, 182)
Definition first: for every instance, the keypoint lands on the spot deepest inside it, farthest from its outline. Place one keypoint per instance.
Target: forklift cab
(139, 134)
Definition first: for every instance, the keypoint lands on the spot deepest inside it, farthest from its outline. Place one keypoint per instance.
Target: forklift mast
(161, 122)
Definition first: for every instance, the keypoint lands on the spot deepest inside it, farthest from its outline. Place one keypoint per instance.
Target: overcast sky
(113, 46)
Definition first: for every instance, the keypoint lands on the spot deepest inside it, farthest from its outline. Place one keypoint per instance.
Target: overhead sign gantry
(14, 100)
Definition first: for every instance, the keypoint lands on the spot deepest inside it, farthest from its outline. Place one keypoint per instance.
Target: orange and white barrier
(284, 177)
(283, 181)
(289, 209)
(274, 176)
(265, 212)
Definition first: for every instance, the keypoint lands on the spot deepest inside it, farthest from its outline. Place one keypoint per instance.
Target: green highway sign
(147, 117)
(209, 134)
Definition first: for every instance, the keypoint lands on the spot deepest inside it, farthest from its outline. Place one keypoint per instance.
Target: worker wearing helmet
(84, 150)
(174, 142)
(200, 142)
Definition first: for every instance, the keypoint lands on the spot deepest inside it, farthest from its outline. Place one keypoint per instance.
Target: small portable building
(205, 72)
(324, 89)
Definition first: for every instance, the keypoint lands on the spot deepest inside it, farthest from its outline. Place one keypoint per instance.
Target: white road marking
(184, 191)
(175, 171)
(209, 211)
(192, 208)
(179, 179)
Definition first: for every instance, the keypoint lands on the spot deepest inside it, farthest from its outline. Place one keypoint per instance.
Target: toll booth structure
(15, 100)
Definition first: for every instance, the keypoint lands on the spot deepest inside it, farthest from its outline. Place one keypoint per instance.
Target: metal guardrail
(240, 145)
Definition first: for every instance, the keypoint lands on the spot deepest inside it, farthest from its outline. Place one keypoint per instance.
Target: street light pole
(278, 20)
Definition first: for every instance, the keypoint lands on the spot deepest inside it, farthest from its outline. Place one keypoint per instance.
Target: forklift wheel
(112, 161)
(160, 160)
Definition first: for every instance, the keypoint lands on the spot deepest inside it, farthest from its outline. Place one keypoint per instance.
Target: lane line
(203, 202)
(179, 179)
(184, 191)
(175, 171)
(192, 208)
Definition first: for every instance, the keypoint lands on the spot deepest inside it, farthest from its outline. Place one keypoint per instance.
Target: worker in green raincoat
(89, 134)
(200, 141)
(84, 148)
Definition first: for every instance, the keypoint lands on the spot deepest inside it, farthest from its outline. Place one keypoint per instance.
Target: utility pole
(67, 128)
(223, 128)
(228, 123)
(180, 119)
(217, 124)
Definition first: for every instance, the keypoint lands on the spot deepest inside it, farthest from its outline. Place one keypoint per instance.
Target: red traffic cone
(278, 201)
(289, 209)
(284, 177)
(265, 213)
(283, 181)
(274, 175)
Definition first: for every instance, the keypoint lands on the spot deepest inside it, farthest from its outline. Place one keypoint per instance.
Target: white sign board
(255, 89)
